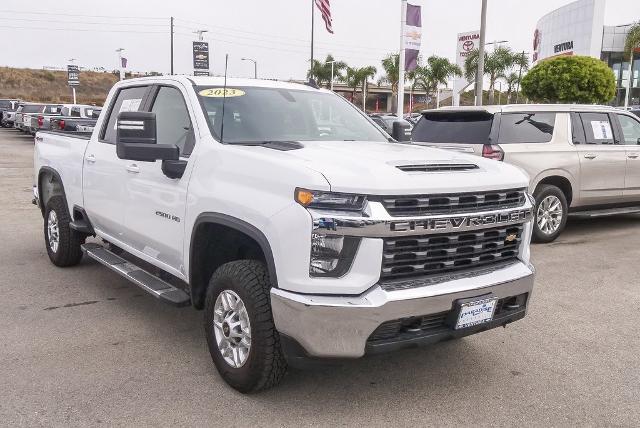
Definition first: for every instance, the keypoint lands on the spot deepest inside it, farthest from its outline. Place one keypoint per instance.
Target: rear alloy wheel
(550, 213)
(63, 243)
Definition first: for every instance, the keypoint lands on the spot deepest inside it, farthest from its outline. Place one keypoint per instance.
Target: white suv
(581, 159)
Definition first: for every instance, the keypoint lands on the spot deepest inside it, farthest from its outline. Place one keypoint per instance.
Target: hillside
(51, 86)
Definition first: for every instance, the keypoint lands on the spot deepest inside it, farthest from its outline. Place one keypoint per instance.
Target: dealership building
(578, 29)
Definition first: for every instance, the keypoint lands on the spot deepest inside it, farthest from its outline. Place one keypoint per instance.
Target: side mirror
(136, 138)
(401, 131)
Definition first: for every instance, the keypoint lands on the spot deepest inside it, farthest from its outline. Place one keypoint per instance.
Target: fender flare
(548, 173)
(241, 226)
(56, 175)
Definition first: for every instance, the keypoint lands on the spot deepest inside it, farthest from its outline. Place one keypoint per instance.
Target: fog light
(331, 256)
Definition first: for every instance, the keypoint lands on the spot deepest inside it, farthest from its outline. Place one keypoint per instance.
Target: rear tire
(550, 213)
(63, 243)
(237, 313)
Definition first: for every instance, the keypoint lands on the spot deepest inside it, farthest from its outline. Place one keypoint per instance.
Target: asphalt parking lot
(83, 347)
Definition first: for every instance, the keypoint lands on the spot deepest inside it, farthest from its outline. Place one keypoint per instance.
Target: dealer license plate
(474, 313)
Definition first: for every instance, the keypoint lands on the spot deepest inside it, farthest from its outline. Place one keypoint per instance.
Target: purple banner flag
(412, 37)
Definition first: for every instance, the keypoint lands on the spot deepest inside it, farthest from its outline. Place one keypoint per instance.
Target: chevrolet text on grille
(461, 222)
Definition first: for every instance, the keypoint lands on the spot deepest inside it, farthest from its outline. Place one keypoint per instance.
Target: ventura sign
(467, 42)
(561, 47)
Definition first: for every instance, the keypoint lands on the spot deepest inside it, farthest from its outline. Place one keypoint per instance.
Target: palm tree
(496, 63)
(437, 71)
(631, 44)
(357, 78)
(512, 79)
(321, 70)
(391, 67)
(521, 61)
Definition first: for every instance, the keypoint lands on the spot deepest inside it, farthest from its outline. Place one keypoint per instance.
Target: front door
(630, 130)
(104, 173)
(156, 204)
(602, 161)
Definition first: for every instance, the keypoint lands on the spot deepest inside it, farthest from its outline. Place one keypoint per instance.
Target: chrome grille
(453, 203)
(412, 256)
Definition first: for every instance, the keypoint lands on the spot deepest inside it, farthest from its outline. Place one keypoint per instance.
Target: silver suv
(581, 159)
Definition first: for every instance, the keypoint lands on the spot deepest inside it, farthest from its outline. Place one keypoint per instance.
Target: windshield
(471, 127)
(255, 115)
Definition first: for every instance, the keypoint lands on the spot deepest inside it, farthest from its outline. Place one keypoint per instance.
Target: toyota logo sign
(468, 45)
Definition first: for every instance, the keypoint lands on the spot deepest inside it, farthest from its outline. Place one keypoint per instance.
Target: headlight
(330, 200)
(331, 256)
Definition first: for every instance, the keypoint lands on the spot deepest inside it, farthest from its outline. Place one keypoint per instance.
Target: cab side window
(128, 99)
(630, 129)
(597, 128)
(173, 121)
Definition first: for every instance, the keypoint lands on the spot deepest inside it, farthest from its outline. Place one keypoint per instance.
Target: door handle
(590, 156)
(133, 168)
(91, 159)
(633, 155)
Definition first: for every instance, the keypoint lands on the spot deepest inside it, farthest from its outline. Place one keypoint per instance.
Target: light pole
(120, 50)
(73, 88)
(331, 62)
(255, 66)
(480, 72)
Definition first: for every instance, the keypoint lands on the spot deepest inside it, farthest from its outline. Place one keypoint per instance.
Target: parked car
(635, 111)
(8, 109)
(74, 117)
(296, 241)
(412, 118)
(581, 159)
(386, 122)
(27, 111)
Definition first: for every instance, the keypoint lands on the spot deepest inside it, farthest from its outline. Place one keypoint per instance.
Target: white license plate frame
(484, 311)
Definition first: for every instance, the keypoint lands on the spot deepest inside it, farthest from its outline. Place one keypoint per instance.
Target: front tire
(62, 242)
(551, 211)
(242, 338)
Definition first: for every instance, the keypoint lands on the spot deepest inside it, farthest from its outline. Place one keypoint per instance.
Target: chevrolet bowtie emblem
(511, 237)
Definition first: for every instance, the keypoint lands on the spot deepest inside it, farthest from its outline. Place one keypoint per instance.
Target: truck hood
(373, 168)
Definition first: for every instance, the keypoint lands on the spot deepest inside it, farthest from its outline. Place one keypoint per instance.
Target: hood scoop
(438, 167)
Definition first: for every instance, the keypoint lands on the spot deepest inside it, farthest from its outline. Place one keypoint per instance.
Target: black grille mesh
(412, 256)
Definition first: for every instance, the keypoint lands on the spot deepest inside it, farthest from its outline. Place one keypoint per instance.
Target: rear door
(156, 204)
(602, 159)
(461, 131)
(629, 127)
(104, 173)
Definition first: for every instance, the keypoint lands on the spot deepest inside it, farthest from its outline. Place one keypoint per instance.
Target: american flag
(325, 9)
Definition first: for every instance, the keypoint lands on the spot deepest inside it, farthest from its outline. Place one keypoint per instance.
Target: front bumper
(340, 326)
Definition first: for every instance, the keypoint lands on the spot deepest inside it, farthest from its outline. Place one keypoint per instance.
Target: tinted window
(276, 114)
(597, 128)
(5, 104)
(471, 127)
(630, 129)
(172, 120)
(128, 99)
(32, 108)
(75, 112)
(526, 127)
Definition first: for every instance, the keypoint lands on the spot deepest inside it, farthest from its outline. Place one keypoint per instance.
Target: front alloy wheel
(232, 328)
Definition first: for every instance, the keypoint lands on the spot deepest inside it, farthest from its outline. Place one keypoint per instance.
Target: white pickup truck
(293, 220)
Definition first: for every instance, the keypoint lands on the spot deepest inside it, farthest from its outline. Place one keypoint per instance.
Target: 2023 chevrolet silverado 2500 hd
(299, 227)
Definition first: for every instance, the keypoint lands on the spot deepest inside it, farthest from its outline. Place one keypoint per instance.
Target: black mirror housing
(137, 139)
(401, 131)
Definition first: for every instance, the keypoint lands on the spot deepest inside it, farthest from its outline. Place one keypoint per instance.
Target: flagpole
(403, 22)
(312, 23)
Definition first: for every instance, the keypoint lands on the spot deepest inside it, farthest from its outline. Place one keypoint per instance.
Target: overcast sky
(276, 33)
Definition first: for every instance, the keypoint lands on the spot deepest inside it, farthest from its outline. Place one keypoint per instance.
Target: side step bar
(143, 279)
(605, 212)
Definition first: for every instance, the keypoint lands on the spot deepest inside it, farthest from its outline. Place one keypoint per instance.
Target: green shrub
(570, 79)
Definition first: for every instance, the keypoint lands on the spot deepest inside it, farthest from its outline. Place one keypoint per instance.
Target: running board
(151, 284)
(605, 212)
